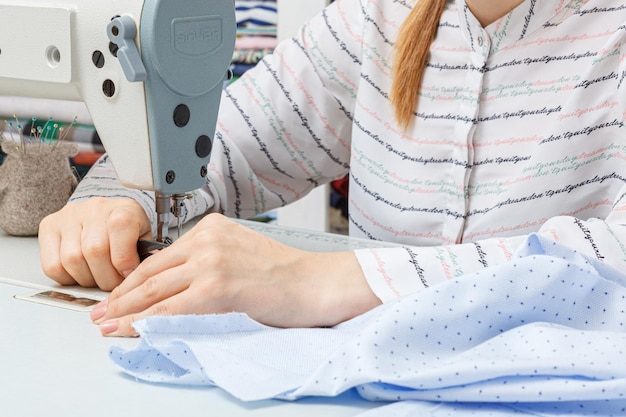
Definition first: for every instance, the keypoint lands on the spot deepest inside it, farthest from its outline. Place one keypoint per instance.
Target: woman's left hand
(221, 266)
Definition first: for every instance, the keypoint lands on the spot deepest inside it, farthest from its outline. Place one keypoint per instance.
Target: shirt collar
(529, 16)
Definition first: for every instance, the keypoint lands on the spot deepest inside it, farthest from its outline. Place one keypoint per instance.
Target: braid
(411, 51)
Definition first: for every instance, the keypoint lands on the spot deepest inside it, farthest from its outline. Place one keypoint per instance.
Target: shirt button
(481, 41)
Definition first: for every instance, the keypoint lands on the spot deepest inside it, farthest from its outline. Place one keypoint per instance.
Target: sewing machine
(150, 73)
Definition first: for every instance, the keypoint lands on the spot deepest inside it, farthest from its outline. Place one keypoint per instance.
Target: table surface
(53, 361)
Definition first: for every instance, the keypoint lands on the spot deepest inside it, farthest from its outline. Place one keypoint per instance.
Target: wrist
(340, 291)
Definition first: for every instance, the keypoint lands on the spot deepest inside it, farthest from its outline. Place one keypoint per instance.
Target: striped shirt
(519, 130)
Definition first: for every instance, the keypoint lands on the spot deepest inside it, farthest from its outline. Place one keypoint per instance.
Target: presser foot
(165, 205)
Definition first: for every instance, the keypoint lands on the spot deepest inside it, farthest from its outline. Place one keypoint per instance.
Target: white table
(53, 361)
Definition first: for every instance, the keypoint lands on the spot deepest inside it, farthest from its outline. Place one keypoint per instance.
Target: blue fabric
(261, 13)
(540, 335)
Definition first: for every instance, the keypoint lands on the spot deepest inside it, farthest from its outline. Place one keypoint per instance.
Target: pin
(50, 133)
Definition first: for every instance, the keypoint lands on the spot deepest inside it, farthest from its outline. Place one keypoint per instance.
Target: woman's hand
(220, 266)
(93, 243)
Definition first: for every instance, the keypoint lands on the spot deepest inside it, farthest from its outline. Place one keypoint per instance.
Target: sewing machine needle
(179, 225)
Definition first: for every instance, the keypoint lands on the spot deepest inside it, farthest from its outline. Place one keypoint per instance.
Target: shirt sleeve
(395, 272)
(285, 126)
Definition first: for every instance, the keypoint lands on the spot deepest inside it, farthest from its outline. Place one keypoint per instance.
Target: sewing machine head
(150, 72)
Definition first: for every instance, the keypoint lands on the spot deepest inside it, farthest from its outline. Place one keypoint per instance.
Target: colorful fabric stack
(256, 33)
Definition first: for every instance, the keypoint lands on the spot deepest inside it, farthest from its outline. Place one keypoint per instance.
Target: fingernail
(99, 310)
(109, 327)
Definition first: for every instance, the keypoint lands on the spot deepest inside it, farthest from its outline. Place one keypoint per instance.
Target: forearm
(337, 288)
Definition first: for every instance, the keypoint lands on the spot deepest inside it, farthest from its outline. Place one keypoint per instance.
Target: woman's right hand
(93, 242)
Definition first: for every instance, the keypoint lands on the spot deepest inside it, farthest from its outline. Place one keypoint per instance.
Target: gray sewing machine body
(150, 72)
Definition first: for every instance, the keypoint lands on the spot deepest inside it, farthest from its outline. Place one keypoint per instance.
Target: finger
(159, 263)
(145, 297)
(72, 257)
(124, 228)
(123, 326)
(50, 254)
(96, 251)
